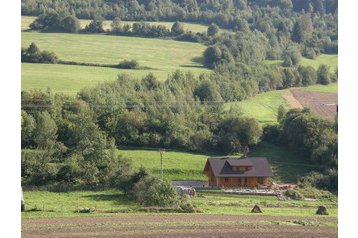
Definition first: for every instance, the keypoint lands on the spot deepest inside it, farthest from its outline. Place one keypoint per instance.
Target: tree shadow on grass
(199, 60)
(117, 199)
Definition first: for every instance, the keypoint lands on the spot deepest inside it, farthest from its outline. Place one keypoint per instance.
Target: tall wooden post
(161, 163)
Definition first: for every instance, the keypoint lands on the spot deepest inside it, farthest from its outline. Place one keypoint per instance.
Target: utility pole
(161, 151)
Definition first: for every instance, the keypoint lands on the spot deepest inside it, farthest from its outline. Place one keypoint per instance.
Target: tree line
(312, 138)
(279, 27)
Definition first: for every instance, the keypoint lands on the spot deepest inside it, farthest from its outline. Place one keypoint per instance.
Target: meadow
(70, 79)
(115, 203)
(330, 88)
(177, 165)
(161, 56)
(330, 60)
(263, 106)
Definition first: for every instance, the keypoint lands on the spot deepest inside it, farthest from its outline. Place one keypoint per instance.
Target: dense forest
(76, 137)
(278, 27)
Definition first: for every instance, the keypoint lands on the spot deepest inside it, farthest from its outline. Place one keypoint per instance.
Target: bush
(128, 64)
(323, 75)
(95, 26)
(151, 191)
(294, 194)
(34, 55)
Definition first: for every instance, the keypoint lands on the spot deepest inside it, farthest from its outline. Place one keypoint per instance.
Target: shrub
(151, 191)
(128, 64)
(323, 75)
(294, 194)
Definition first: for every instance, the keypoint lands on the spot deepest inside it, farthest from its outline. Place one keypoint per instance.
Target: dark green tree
(71, 24)
(177, 29)
(323, 74)
(212, 56)
(213, 29)
(302, 29)
(95, 26)
(45, 134)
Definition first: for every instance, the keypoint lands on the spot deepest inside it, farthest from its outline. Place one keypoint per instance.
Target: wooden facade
(240, 177)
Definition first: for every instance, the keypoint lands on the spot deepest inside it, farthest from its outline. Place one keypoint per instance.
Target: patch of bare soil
(199, 225)
(325, 105)
(291, 100)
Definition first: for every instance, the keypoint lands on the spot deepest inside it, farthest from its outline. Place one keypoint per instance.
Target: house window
(226, 179)
(260, 180)
(239, 180)
(245, 180)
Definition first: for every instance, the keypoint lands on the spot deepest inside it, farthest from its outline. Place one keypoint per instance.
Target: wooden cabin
(238, 172)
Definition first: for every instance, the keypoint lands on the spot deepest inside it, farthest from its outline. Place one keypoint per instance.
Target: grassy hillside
(162, 56)
(330, 60)
(177, 165)
(66, 79)
(330, 88)
(27, 20)
(104, 49)
(70, 79)
(263, 107)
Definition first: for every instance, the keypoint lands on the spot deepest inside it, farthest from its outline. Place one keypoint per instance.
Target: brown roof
(222, 167)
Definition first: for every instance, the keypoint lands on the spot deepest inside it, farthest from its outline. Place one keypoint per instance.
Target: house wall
(237, 182)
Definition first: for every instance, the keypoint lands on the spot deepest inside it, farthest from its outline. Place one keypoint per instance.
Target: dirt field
(322, 104)
(197, 225)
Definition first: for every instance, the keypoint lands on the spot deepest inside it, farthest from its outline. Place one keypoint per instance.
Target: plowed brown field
(322, 104)
(198, 225)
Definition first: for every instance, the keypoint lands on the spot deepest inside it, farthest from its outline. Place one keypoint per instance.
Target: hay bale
(322, 210)
(256, 209)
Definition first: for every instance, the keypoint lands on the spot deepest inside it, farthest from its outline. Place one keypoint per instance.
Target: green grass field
(263, 107)
(104, 49)
(162, 56)
(330, 88)
(177, 165)
(27, 20)
(330, 60)
(69, 79)
(64, 204)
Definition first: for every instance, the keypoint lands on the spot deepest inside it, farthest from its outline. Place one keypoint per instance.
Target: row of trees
(314, 27)
(220, 11)
(55, 23)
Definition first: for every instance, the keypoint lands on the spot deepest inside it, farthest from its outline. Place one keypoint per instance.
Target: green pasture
(176, 165)
(113, 202)
(330, 88)
(262, 107)
(64, 204)
(27, 20)
(330, 60)
(157, 54)
(70, 79)
(161, 56)
(216, 202)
